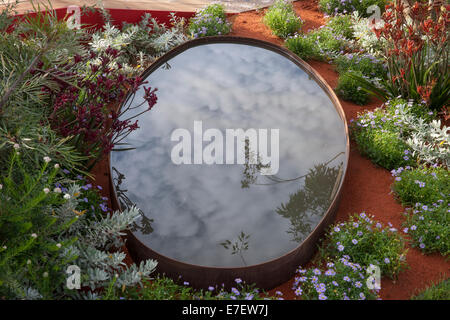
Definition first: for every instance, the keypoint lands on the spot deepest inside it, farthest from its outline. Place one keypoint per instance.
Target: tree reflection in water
(251, 170)
(304, 208)
(145, 223)
(309, 203)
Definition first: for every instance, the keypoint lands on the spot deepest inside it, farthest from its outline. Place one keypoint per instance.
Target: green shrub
(349, 89)
(303, 46)
(282, 19)
(361, 65)
(438, 291)
(209, 21)
(342, 280)
(341, 25)
(385, 149)
(367, 242)
(398, 106)
(28, 141)
(426, 185)
(327, 41)
(429, 226)
(333, 7)
(139, 43)
(366, 64)
(428, 140)
(30, 260)
(320, 44)
(40, 42)
(380, 145)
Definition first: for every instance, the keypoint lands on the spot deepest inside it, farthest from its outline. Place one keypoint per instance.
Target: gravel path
(163, 5)
(243, 5)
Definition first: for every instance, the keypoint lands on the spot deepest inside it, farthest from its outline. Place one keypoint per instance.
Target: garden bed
(367, 187)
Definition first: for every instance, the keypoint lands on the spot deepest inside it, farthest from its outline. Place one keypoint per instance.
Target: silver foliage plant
(112, 37)
(152, 39)
(365, 37)
(98, 265)
(429, 141)
(168, 40)
(141, 43)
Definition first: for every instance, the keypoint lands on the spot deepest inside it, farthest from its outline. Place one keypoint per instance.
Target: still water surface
(230, 215)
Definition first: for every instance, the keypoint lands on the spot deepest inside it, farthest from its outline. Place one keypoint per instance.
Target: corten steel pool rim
(266, 275)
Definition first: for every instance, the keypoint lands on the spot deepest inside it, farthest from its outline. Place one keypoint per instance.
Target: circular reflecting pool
(239, 160)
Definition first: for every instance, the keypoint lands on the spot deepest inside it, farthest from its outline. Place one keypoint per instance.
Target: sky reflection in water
(195, 208)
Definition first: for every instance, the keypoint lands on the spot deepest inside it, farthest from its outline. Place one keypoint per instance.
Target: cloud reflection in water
(196, 207)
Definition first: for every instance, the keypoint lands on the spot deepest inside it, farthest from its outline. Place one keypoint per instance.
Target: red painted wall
(119, 15)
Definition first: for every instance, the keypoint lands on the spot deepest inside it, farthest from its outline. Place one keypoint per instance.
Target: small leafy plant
(210, 21)
(238, 246)
(363, 65)
(341, 280)
(379, 143)
(425, 185)
(367, 242)
(319, 44)
(141, 43)
(342, 25)
(282, 19)
(428, 140)
(303, 46)
(348, 88)
(429, 226)
(366, 64)
(151, 39)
